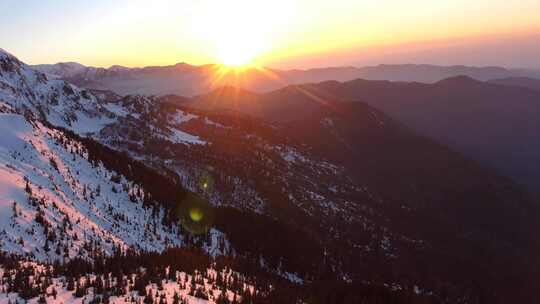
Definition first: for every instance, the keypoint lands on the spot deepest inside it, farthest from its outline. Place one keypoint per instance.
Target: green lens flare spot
(206, 182)
(196, 214)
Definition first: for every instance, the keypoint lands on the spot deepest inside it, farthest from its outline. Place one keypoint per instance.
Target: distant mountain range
(188, 80)
(315, 196)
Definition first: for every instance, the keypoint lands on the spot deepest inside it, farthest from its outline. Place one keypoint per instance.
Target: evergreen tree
(46, 246)
(80, 290)
(70, 284)
(14, 208)
(162, 299)
(54, 293)
(99, 285)
(27, 188)
(42, 300)
(176, 298)
(149, 299)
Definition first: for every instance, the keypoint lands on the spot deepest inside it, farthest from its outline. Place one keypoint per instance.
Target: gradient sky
(278, 33)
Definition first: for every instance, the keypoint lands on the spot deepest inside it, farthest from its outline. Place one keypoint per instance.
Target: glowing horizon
(284, 34)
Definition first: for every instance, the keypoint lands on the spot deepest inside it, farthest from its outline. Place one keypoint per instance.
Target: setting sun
(235, 48)
(236, 56)
(238, 32)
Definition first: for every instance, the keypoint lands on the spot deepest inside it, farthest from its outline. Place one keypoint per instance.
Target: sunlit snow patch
(181, 117)
(178, 137)
(14, 129)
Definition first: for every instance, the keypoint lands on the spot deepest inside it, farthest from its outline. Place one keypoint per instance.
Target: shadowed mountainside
(498, 125)
(524, 82)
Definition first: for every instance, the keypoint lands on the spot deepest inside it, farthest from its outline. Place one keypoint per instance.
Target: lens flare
(195, 214)
(206, 182)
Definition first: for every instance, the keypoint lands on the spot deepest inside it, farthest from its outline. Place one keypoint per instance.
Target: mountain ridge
(204, 78)
(525, 82)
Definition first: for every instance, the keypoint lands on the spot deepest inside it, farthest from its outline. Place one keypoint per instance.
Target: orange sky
(278, 33)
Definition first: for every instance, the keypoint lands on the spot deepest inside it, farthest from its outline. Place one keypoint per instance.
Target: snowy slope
(195, 288)
(25, 90)
(52, 197)
(60, 103)
(139, 111)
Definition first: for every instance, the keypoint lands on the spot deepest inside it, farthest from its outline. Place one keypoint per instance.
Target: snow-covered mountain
(67, 202)
(56, 101)
(50, 176)
(344, 198)
(61, 69)
(56, 202)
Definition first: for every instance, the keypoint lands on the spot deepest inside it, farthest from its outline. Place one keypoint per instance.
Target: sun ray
(239, 32)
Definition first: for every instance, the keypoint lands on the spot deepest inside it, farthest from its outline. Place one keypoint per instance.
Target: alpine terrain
(108, 198)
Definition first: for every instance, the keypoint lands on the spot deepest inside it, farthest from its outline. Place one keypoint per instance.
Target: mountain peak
(5, 53)
(7, 56)
(458, 80)
(71, 64)
(118, 68)
(181, 64)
